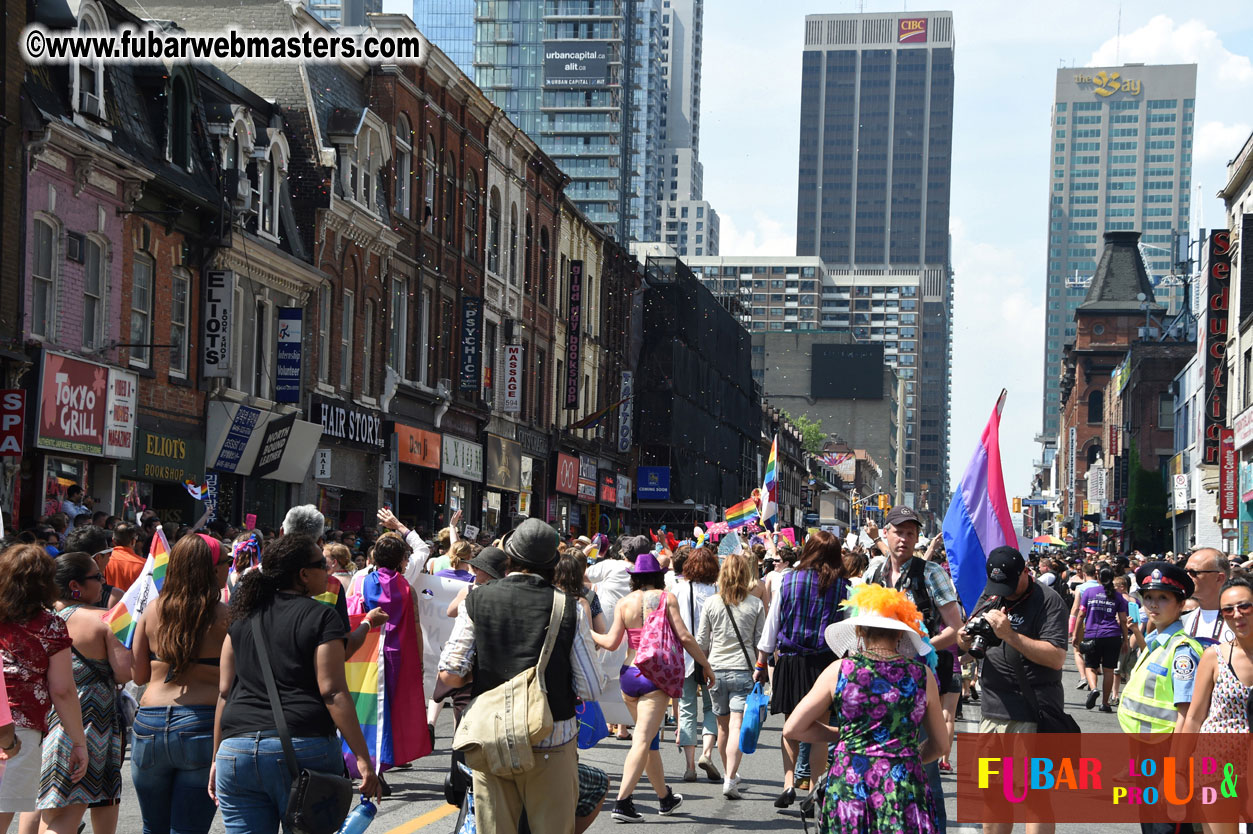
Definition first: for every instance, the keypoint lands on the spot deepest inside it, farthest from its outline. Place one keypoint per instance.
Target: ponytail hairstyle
(281, 564)
(1107, 581)
(187, 603)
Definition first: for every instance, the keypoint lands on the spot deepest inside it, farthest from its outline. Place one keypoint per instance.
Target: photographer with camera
(1019, 628)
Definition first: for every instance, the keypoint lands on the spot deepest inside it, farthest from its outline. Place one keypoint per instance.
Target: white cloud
(765, 236)
(1162, 41)
(1216, 142)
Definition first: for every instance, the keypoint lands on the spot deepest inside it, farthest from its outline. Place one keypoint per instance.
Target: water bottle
(360, 818)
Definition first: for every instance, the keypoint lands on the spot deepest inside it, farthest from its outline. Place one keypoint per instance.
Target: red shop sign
(12, 421)
(567, 474)
(72, 400)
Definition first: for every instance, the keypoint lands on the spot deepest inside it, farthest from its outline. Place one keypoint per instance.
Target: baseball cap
(1005, 565)
(900, 514)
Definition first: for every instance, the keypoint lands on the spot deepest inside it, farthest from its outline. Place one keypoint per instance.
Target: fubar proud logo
(912, 30)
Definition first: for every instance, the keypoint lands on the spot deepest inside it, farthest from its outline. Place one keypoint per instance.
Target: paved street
(417, 803)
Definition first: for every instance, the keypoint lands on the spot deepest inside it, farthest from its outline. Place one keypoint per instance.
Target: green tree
(812, 436)
(1146, 524)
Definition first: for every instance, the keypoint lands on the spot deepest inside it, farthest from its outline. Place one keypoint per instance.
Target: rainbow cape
(741, 513)
(122, 618)
(384, 675)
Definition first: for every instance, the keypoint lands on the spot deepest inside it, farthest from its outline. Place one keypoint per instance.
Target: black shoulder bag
(319, 802)
(1047, 721)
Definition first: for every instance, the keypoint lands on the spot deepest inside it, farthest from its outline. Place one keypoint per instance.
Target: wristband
(760, 666)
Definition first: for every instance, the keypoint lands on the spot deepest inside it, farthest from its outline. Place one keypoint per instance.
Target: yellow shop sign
(1107, 83)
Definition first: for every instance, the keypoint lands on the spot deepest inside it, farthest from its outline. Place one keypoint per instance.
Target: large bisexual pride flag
(978, 519)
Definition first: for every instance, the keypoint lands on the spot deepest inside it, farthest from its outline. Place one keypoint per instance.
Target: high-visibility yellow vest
(1148, 698)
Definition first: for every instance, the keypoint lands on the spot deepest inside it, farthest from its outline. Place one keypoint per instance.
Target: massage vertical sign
(513, 379)
(574, 329)
(219, 313)
(1217, 305)
(471, 341)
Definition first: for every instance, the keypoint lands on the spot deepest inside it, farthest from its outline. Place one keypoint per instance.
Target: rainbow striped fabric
(122, 618)
(770, 484)
(366, 684)
(741, 513)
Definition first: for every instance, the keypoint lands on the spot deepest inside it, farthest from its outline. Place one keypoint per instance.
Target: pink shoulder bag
(660, 655)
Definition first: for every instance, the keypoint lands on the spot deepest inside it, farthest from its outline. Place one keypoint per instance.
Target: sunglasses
(321, 565)
(99, 577)
(1195, 573)
(1229, 611)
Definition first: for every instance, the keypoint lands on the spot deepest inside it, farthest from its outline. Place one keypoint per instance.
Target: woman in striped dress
(100, 663)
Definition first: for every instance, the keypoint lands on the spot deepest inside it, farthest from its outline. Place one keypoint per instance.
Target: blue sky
(1007, 55)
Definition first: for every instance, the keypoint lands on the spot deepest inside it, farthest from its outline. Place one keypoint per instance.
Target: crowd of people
(865, 650)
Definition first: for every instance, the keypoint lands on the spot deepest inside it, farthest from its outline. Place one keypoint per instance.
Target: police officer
(1158, 693)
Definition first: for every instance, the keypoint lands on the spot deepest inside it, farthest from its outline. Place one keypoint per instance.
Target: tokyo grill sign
(574, 329)
(74, 408)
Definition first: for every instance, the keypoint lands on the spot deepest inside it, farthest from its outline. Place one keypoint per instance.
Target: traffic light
(1017, 505)
(885, 503)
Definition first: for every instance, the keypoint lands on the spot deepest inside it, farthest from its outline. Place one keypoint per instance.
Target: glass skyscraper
(584, 78)
(873, 203)
(1121, 154)
(449, 24)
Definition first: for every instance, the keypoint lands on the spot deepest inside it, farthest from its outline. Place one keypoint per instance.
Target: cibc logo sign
(912, 30)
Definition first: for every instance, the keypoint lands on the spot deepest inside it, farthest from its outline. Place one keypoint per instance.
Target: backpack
(916, 585)
(499, 729)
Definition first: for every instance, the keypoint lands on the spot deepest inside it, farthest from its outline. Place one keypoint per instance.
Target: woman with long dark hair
(807, 603)
(99, 662)
(305, 641)
(1101, 635)
(178, 650)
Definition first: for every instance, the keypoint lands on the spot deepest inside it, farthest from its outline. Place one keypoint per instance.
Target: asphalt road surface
(417, 803)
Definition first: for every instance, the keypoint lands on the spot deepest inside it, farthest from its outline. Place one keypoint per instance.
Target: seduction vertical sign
(1217, 306)
(574, 328)
(471, 342)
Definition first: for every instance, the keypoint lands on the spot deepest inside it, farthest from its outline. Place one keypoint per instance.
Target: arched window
(544, 277)
(472, 217)
(428, 176)
(88, 73)
(450, 198)
(513, 245)
(404, 165)
(493, 233)
(1096, 407)
(528, 283)
(43, 273)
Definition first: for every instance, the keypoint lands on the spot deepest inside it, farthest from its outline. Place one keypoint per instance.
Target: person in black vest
(500, 631)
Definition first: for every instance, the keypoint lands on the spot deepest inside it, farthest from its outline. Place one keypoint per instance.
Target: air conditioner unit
(235, 187)
(444, 387)
(74, 244)
(88, 103)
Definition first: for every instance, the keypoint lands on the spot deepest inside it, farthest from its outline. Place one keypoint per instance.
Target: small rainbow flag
(741, 513)
(121, 618)
(770, 484)
(159, 553)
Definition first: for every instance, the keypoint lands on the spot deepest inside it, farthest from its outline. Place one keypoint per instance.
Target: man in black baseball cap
(1029, 622)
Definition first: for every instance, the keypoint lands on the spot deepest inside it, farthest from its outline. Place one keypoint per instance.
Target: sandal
(946, 767)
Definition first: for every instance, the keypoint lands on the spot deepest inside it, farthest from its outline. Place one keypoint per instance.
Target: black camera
(982, 635)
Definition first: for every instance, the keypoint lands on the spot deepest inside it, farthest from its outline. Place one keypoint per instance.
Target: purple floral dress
(877, 782)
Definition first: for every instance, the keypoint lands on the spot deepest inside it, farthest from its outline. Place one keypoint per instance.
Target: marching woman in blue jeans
(178, 648)
(305, 641)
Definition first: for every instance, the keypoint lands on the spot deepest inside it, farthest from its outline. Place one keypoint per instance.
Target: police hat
(1164, 576)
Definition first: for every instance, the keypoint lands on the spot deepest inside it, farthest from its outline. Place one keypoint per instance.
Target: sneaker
(1092, 696)
(731, 788)
(624, 811)
(1082, 685)
(1106, 708)
(802, 785)
(689, 776)
(670, 802)
(711, 772)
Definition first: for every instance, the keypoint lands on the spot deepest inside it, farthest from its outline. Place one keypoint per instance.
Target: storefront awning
(248, 441)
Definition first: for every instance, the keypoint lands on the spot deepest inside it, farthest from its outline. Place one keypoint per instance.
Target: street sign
(1034, 502)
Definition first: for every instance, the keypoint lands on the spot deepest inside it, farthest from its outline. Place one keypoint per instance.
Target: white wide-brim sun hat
(841, 637)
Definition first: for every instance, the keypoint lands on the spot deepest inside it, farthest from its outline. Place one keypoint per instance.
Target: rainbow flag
(770, 484)
(741, 513)
(121, 618)
(159, 553)
(385, 681)
(596, 416)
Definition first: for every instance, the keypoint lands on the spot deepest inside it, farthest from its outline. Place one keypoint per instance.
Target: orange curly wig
(883, 602)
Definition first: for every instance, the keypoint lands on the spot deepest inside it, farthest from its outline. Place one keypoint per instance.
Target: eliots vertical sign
(573, 334)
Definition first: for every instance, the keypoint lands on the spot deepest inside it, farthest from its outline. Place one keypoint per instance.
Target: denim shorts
(730, 693)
